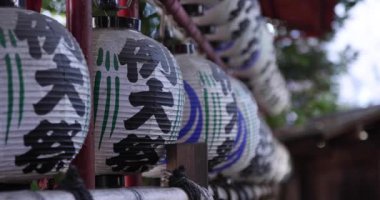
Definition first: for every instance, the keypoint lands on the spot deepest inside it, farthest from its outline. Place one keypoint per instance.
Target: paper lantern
(138, 98)
(226, 11)
(45, 96)
(244, 19)
(243, 45)
(271, 162)
(266, 53)
(247, 137)
(270, 90)
(210, 111)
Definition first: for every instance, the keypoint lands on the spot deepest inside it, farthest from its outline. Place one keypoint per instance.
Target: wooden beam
(193, 157)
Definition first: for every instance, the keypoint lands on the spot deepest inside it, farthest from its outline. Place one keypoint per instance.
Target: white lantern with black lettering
(210, 111)
(138, 97)
(247, 137)
(44, 96)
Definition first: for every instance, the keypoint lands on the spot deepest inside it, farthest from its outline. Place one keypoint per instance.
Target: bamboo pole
(103, 194)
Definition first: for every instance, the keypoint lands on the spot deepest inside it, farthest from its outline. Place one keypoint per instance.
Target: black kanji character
(62, 79)
(135, 154)
(260, 164)
(40, 26)
(150, 54)
(223, 150)
(235, 13)
(243, 26)
(51, 144)
(152, 102)
(231, 110)
(221, 77)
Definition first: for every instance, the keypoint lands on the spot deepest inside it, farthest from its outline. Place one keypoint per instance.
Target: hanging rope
(193, 190)
(74, 184)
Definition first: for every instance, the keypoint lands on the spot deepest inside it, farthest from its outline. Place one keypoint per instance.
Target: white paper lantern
(281, 163)
(271, 162)
(266, 54)
(247, 137)
(138, 99)
(226, 11)
(45, 96)
(270, 90)
(233, 29)
(210, 111)
(259, 169)
(245, 44)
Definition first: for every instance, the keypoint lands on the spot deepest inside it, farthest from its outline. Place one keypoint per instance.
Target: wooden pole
(131, 11)
(79, 22)
(193, 157)
(104, 194)
(34, 5)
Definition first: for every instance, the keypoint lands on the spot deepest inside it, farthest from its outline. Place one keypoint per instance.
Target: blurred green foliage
(54, 6)
(150, 20)
(310, 74)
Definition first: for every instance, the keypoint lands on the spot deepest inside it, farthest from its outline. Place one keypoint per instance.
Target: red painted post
(131, 11)
(133, 180)
(79, 22)
(34, 5)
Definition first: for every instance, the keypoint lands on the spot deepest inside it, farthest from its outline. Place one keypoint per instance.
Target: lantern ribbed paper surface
(240, 21)
(248, 42)
(210, 111)
(266, 50)
(44, 96)
(224, 12)
(270, 89)
(138, 99)
(271, 162)
(247, 138)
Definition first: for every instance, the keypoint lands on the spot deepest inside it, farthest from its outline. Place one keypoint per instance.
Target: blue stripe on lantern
(249, 63)
(225, 46)
(196, 109)
(236, 155)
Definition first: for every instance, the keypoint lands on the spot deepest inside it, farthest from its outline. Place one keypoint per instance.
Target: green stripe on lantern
(202, 79)
(99, 59)
(10, 96)
(106, 111)
(21, 92)
(2, 38)
(107, 61)
(220, 113)
(115, 62)
(213, 96)
(13, 39)
(176, 122)
(98, 79)
(116, 109)
(206, 112)
(207, 80)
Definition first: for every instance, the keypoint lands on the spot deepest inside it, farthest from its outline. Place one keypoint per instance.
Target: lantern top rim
(117, 22)
(183, 48)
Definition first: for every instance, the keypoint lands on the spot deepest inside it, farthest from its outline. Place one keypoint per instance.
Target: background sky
(360, 87)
